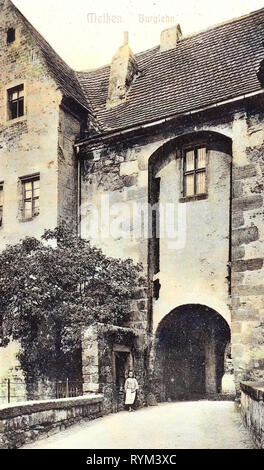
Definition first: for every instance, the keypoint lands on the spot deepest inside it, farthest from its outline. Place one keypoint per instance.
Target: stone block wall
(90, 360)
(113, 182)
(69, 128)
(39, 142)
(252, 410)
(122, 171)
(28, 144)
(30, 421)
(247, 252)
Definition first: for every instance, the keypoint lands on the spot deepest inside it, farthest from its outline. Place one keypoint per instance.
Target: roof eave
(119, 132)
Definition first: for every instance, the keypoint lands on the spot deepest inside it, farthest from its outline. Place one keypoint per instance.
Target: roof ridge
(94, 69)
(42, 43)
(39, 34)
(209, 28)
(183, 38)
(189, 77)
(223, 23)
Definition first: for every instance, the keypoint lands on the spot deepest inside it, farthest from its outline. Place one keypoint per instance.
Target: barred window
(1, 203)
(30, 202)
(16, 102)
(194, 171)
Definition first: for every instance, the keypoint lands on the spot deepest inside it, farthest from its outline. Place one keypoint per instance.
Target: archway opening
(191, 345)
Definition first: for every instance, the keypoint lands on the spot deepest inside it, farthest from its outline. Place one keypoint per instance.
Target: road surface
(182, 425)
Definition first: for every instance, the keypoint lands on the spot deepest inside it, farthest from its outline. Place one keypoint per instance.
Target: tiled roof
(206, 68)
(63, 75)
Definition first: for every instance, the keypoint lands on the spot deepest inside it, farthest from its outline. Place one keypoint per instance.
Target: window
(156, 224)
(30, 197)
(156, 289)
(11, 35)
(194, 171)
(1, 203)
(16, 102)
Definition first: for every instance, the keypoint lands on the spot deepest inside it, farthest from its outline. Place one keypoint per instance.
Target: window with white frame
(194, 171)
(30, 197)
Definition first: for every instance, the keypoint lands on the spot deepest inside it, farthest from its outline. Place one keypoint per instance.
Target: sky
(87, 33)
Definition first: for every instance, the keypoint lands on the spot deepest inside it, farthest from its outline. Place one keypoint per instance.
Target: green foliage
(51, 288)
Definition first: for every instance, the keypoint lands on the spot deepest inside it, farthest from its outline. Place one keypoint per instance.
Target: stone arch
(188, 298)
(190, 351)
(216, 139)
(166, 184)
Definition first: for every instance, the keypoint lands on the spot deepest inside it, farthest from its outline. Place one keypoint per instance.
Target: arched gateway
(192, 342)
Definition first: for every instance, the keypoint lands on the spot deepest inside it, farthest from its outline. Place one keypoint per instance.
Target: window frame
(13, 84)
(25, 199)
(195, 171)
(10, 91)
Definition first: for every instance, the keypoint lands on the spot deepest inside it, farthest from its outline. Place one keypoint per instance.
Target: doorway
(190, 353)
(122, 363)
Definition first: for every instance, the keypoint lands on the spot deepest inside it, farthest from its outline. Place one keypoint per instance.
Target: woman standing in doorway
(131, 387)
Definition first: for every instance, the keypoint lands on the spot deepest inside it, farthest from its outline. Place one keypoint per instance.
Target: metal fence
(17, 391)
(68, 389)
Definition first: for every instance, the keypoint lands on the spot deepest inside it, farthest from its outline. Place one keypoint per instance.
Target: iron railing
(17, 391)
(68, 388)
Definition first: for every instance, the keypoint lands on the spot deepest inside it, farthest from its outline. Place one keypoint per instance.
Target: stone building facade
(157, 157)
(36, 146)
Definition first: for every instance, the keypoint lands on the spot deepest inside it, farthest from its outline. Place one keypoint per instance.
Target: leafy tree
(51, 288)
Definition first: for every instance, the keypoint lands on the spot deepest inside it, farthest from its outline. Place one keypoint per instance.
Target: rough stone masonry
(162, 128)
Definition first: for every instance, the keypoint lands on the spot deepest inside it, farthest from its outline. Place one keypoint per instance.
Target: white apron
(131, 387)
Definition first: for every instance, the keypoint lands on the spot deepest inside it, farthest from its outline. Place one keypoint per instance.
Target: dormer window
(11, 35)
(16, 102)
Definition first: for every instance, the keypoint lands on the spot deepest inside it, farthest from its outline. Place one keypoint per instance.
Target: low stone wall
(252, 410)
(28, 421)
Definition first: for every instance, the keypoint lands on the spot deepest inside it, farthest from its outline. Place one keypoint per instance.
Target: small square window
(194, 172)
(11, 35)
(30, 197)
(1, 203)
(16, 102)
